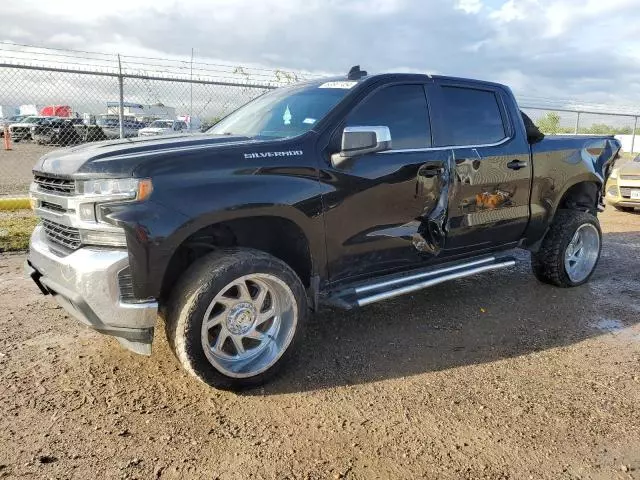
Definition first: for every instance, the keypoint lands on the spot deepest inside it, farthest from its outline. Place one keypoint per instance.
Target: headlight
(103, 238)
(614, 174)
(118, 188)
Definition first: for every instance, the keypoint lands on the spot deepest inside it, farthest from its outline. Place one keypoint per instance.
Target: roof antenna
(355, 73)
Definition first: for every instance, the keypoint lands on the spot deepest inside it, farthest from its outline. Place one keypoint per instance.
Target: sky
(586, 51)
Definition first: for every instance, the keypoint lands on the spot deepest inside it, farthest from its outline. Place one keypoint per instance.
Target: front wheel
(570, 251)
(236, 317)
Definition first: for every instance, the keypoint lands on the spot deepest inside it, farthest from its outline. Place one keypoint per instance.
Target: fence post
(191, 84)
(121, 101)
(633, 133)
(577, 123)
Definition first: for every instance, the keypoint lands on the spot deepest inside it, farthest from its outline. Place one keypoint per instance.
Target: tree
(550, 123)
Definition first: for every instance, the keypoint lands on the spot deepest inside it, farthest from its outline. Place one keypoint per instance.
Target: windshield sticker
(286, 118)
(344, 84)
(288, 153)
(310, 121)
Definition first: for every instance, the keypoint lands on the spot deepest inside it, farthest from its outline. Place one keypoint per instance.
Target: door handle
(516, 164)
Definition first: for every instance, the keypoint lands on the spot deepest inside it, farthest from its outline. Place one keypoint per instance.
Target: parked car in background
(22, 130)
(164, 127)
(623, 186)
(110, 125)
(56, 131)
(10, 121)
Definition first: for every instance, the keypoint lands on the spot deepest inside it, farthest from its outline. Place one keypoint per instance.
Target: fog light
(612, 191)
(87, 212)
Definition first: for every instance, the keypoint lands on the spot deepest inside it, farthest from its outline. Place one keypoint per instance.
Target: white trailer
(30, 109)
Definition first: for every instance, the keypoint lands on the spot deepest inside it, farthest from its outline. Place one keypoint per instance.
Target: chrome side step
(394, 286)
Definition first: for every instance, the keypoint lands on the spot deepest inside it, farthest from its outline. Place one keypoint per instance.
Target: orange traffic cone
(7, 138)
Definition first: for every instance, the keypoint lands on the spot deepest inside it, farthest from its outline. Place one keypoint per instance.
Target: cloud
(578, 49)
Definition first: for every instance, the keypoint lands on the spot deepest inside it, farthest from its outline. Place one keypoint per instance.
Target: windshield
(161, 124)
(285, 112)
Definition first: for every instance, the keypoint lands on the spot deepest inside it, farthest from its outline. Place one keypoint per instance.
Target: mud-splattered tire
(570, 251)
(236, 318)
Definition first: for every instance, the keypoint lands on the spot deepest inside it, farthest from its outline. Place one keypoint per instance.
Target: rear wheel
(236, 317)
(570, 251)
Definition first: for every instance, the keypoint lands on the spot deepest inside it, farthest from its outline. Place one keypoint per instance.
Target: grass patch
(15, 230)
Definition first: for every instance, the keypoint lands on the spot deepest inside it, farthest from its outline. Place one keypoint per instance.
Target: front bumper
(85, 284)
(618, 192)
(20, 133)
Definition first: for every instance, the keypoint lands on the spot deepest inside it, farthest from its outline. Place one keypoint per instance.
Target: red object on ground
(56, 111)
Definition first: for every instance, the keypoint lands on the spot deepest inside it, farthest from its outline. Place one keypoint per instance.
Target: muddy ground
(493, 377)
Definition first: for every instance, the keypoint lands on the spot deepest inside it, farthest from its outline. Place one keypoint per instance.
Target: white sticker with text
(343, 84)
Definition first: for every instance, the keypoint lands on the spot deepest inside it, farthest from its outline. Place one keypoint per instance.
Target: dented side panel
(385, 211)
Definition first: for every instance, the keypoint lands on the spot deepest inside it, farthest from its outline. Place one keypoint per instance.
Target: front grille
(55, 185)
(20, 130)
(630, 177)
(52, 206)
(625, 192)
(125, 285)
(68, 237)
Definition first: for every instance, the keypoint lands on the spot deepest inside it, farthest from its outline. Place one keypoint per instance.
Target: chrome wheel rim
(249, 325)
(581, 254)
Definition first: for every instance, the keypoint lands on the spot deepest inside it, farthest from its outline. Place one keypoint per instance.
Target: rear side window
(402, 108)
(472, 117)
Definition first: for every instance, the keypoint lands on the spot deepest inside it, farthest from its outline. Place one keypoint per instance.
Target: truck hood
(630, 168)
(120, 158)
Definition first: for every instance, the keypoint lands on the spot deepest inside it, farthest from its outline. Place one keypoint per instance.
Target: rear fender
(559, 163)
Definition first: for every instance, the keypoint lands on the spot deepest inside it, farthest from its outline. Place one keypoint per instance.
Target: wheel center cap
(240, 318)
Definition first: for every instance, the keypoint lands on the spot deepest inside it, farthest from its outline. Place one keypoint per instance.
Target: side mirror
(358, 141)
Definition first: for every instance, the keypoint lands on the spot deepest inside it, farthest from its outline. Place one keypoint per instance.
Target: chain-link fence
(52, 98)
(583, 121)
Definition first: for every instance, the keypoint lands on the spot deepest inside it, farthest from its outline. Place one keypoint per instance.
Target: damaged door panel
(434, 222)
(394, 215)
(490, 181)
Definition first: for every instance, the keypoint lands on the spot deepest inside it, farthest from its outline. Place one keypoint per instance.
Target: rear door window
(472, 116)
(402, 108)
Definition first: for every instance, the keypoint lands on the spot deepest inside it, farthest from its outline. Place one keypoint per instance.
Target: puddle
(608, 325)
(616, 327)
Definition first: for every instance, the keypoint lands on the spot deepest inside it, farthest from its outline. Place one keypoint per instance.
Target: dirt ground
(16, 165)
(494, 377)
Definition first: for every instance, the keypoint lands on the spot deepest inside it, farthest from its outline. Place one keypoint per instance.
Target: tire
(623, 209)
(211, 288)
(559, 261)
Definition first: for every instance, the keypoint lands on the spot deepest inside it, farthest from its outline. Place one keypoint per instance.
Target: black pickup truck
(343, 191)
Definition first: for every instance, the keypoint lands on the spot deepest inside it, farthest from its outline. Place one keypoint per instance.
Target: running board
(393, 286)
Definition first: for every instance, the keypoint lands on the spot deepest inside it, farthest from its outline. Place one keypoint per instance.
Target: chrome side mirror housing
(358, 141)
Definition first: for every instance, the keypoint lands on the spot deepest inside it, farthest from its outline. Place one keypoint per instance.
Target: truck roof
(401, 77)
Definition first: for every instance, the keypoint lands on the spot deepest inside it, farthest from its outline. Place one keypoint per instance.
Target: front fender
(181, 208)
